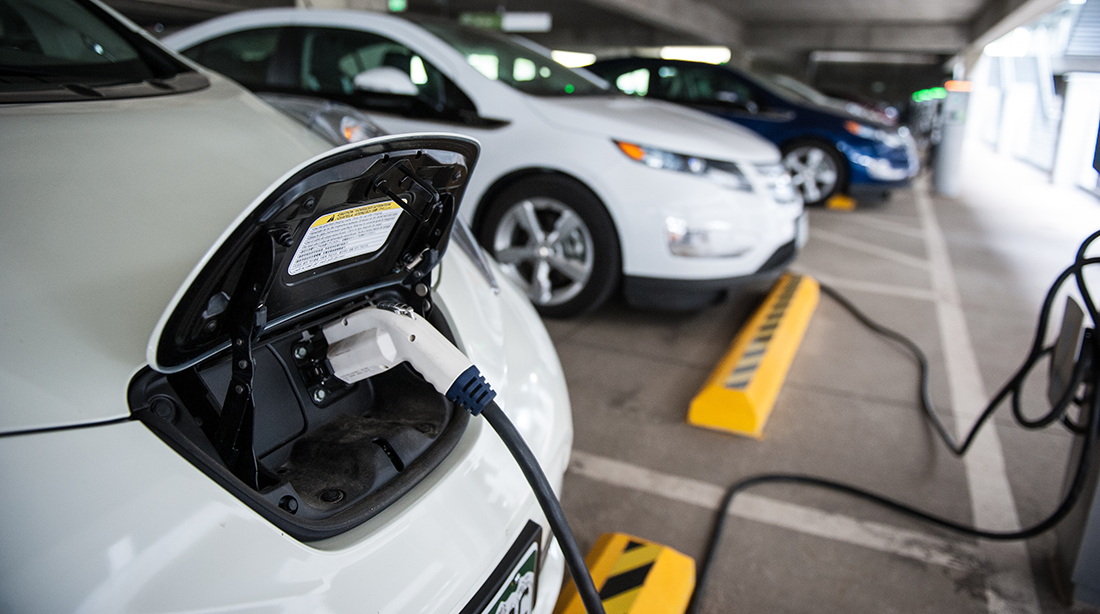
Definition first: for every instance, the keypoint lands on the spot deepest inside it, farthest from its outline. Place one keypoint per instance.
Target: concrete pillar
(1077, 136)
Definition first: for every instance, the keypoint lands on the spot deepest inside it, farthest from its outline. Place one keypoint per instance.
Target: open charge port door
(239, 382)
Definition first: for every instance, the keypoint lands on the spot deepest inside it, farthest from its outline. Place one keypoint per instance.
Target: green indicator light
(398, 6)
(932, 93)
(569, 88)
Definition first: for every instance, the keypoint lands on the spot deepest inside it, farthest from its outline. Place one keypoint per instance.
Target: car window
(331, 58)
(634, 82)
(704, 84)
(517, 65)
(246, 57)
(53, 33)
(60, 50)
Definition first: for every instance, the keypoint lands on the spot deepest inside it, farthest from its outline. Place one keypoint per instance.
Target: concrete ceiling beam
(919, 37)
(995, 19)
(999, 17)
(693, 17)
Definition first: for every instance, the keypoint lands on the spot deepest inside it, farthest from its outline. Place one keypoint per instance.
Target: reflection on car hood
(656, 124)
(108, 206)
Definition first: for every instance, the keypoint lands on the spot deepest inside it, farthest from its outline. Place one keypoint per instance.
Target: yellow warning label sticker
(345, 234)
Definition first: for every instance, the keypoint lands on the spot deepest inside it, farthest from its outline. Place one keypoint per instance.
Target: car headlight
(708, 238)
(889, 138)
(355, 130)
(726, 174)
(341, 124)
(779, 182)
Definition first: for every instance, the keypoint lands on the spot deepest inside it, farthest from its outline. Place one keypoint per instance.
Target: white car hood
(107, 207)
(656, 124)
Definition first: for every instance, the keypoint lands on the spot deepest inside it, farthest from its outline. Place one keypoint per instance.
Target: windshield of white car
(45, 44)
(525, 69)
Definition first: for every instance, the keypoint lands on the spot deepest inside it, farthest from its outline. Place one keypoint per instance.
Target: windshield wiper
(7, 71)
(83, 90)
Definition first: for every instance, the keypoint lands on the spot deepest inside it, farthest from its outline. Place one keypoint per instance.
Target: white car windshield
(47, 46)
(510, 62)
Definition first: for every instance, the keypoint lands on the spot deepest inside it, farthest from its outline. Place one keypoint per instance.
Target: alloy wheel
(545, 247)
(813, 171)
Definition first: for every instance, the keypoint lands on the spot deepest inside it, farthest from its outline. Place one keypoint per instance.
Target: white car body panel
(100, 514)
(574, 136)
(78, 303)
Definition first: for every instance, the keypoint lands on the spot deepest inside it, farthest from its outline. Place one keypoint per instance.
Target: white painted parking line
(920, 294)
(807, 520)
(879, 223)
(882, 252)
(1010, 588)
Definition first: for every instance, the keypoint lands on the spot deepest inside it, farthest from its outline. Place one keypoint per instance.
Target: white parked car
(149, 464)
(578, 189)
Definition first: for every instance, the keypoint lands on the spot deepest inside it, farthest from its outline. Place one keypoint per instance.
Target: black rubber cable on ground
(527, 462)
(1089, 424)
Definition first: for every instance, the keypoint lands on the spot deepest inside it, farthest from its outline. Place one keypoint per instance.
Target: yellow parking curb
(841, 202)
(739, 395)
(634, 576)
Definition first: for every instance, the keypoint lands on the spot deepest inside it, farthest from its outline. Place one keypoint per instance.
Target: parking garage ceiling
(752, 28)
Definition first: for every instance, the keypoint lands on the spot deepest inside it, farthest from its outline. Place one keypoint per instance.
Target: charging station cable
(376, 339)
(1084, 371)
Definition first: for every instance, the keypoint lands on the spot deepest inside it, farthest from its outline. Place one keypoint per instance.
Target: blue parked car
(829, 145)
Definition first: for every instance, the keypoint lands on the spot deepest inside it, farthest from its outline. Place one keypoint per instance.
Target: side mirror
(386, 80)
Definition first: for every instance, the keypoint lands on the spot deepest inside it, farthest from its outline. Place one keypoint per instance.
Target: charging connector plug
(376, 339)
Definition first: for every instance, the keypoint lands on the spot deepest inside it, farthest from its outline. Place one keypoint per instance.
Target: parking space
(964, 278)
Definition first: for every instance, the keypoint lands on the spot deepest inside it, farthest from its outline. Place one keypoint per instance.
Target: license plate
(511, 588)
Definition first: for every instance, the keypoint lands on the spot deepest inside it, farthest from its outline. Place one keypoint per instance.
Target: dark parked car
(830, 146)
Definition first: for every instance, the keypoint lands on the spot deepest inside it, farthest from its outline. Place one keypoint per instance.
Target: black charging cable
(471, 391)
(549, 503)
(1087, 424)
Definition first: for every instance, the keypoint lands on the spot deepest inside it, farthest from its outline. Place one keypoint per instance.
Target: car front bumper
(876, 164)
(692, 294)
(651, 208)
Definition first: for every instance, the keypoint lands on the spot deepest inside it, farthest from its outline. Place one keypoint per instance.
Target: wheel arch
(518, 176)
(817, 139)
(576, 194)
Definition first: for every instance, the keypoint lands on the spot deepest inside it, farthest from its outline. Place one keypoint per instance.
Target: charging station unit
(634, 576)
(1077, 557)
(1076, 560)
(740, 393)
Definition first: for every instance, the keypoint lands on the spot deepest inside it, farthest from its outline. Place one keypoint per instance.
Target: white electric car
(578, 189)
(171, 436)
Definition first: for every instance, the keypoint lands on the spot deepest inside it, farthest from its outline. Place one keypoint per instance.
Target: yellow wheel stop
(739, 394)
(634, 576)
(841, 202)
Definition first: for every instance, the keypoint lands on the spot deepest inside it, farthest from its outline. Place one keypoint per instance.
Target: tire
(817, 168)
(555, 240)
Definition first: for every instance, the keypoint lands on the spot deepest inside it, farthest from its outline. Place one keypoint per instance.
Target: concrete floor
(846, 412)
